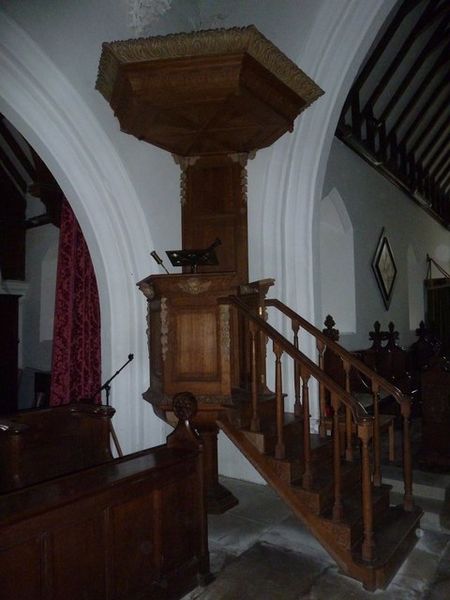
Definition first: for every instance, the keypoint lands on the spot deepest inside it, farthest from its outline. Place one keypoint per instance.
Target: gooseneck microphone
(158, 259)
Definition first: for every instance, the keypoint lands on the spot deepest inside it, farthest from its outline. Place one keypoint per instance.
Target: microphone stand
(107, 387)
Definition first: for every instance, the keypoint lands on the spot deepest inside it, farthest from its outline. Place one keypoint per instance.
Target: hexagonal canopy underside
(197, 105)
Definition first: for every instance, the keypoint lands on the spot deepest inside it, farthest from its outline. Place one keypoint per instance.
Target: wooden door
(9, 339)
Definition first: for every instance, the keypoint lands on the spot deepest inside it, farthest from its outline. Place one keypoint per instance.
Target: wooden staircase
(333, 483)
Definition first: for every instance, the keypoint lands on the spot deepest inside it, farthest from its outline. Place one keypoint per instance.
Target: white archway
(285, 228)
(337, 44)
(337, 263)
(41, 103)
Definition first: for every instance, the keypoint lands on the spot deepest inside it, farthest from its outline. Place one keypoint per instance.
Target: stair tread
(391, 532)
(324, 479)
(394, 528)
(352, 505)
(268, 426)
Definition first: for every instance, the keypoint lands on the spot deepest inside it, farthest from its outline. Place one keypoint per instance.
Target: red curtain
(76, 362)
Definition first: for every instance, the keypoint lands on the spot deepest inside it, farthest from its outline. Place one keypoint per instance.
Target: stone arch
(333, 53)
(44, 107)
(337, 263)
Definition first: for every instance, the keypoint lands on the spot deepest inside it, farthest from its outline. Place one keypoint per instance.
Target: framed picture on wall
(383, 266)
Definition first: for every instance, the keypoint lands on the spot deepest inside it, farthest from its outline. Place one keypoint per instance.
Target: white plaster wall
(337, 262)
(37, 308)
(373, 203)
(52, 115)
(37, 335)
(121, 220)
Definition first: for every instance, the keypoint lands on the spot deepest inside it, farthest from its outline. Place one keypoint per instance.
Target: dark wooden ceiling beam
(47, 189)
(404, 9)
(430, 85)
(425, 119)
(445, 184)
(422, 24)
(408, 142)
(435, 147)
(435, 41)
(16, 149)
(11, 170)
(439, 169)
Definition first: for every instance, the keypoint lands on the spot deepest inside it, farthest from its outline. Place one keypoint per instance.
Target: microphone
(158, 259)
(216, 242)
(130, 357)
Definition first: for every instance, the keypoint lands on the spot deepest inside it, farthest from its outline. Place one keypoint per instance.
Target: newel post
(338, 509)
(408, 502)
(184, 436)
(297, 404)
(376, 434)
(365, 434)
(348, 415)
(321, 347)
(255, 424)
(307, 473)
(280, 449)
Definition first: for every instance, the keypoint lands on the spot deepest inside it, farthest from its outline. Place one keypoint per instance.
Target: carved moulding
(164, 329)
(224, 321)
(204, 43)
(194, 286)
(147, 289)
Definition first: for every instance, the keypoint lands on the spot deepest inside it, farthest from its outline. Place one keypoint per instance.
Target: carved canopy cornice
(204, 43)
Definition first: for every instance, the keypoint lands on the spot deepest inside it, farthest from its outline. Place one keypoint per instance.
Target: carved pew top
(39, 444)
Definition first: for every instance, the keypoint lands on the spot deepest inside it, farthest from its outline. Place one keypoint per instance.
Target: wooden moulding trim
(204, 43)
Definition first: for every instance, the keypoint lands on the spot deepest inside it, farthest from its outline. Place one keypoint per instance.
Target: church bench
(402, 367)
(129, 528)
(39, 444)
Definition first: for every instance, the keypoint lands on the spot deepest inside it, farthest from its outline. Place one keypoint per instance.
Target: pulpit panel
(196, 335)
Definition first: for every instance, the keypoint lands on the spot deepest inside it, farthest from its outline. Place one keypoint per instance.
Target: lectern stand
(190, 341)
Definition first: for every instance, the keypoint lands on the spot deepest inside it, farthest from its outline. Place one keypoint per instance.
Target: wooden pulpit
(212, 99)
(190, 337)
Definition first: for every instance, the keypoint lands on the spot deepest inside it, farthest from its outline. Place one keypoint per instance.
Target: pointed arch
(337, 263)
(45, 108)
(289, 216)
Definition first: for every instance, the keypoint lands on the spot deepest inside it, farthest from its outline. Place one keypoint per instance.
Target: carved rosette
(224, 323)
(194, 286)
(164, 328)
(184, 405)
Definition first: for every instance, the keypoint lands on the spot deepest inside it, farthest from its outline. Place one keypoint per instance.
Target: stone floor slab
(259, 551)
(265, 573)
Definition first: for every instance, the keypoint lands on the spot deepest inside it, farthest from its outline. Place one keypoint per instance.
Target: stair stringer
(372, 577)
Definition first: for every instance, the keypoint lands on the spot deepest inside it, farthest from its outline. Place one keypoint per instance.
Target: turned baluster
(376, 435)
(280, 449)
(408, 503)
(348, 416)
(338, 510)
(307, 473)
(321, 347)
(255, 424)
(365, 433)
(297, 404)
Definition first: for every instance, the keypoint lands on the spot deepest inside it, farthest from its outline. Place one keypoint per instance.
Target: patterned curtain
(76, 359)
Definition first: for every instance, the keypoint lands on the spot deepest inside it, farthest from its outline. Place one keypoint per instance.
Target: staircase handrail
(383, 383)
(359, 413)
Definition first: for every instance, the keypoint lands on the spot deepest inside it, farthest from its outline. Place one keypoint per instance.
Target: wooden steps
(394, 528)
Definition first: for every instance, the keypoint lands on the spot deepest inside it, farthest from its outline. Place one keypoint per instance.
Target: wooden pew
(129, 528)
(40, 444)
